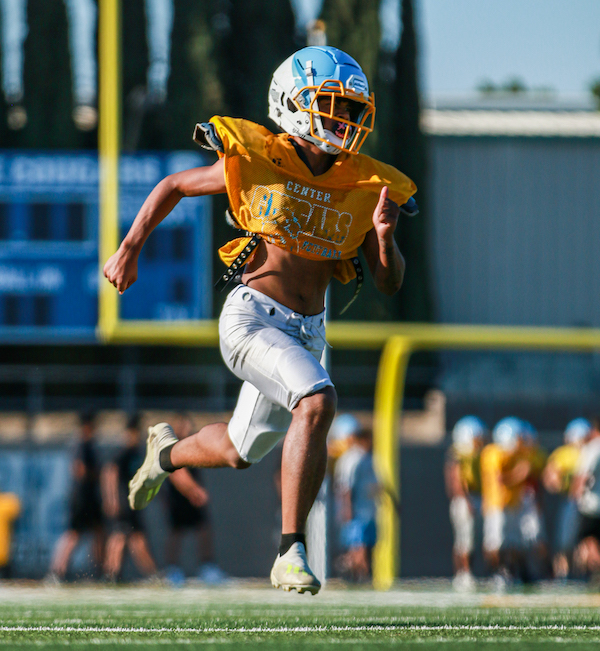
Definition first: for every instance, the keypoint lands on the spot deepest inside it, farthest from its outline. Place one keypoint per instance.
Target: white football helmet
(507, 432)
(344, 426)
(577, 430)
(322, 72)
(466, 432)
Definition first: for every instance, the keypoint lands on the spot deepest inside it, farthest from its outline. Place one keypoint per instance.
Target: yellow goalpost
(389, 391)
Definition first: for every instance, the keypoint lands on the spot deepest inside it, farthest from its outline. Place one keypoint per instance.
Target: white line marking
(294, 629)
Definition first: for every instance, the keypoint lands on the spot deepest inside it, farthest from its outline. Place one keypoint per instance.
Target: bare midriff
(297, 283)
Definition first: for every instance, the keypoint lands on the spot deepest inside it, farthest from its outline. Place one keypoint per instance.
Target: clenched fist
(385, 216)
(121, 269)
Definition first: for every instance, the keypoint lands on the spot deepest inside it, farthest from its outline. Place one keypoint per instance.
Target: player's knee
(239, 464)
(325, 403)
(319, 406)
(232, 456)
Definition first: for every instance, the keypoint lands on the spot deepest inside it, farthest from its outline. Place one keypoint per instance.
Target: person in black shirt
(85, 505)
(187, 505)
(127, 528)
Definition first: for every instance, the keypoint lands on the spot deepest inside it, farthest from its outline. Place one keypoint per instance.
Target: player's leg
(304, 458)
(64, 549)
(277, 352)
(115, 545)
(140, 552)
(211, 447)
(98, 540)
(494, 538)
(463, 524)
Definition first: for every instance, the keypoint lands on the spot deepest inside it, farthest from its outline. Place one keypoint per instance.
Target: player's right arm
(184, 482)
(121, 268)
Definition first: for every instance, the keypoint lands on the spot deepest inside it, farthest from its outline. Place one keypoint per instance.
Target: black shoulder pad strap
(207, 137)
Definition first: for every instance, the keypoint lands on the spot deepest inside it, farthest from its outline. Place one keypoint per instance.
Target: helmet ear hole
(291, 106)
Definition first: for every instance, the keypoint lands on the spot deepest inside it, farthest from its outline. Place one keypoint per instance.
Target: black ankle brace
(288, 539)
(164, 459)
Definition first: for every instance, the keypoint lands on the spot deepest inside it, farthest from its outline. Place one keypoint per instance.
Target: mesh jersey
(565, 459)
(273, 193)
(468, 468)
(495, 494)
(537, 457)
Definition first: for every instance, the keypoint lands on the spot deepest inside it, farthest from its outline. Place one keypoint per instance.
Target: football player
(463, 485)
(558, 478)
(305, 201)
(504, 473)
(537, 562)
(586, 492)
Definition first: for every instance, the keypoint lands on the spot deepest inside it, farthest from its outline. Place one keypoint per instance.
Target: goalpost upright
(389, 391)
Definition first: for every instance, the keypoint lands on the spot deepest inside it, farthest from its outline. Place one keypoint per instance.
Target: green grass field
(252, 617)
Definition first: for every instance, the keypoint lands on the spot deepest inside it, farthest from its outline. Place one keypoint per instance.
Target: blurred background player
(126, 526)
(536, 558)
(356, 490)
(586, 491)
(557, 478)
(187, 501)
(504, 471)
(10, 508)
(344, 426)
(85, 503)
(338, 440)
(463, 485)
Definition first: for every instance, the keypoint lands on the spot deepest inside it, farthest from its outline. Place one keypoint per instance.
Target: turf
(255, 617)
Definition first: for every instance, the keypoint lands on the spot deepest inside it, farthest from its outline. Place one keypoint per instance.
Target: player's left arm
(381, 251)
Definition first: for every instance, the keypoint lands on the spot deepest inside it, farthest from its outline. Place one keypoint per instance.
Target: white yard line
(294, 629)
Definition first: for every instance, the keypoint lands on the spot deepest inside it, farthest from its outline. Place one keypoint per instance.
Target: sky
(546, 43)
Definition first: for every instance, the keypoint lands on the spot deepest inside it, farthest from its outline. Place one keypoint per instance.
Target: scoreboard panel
(49, 270)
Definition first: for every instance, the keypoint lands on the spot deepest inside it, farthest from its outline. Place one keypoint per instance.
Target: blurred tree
(595, 90)
(194, 92)
(253, 38)
(353, 26)
(514, 85)
(404, 146)
(487, 87)
(47, 80)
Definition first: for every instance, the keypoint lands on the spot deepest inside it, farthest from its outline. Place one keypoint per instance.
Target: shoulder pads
(207, 137)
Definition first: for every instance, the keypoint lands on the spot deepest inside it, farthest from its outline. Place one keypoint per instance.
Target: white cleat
(291, 571)
(464, 582)
(148, 479)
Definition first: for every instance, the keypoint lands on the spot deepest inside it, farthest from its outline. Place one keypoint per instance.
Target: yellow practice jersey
(494, 463)
(10, 506)
(273, 193)
(537, 457)
(468, 467)
(565, 459)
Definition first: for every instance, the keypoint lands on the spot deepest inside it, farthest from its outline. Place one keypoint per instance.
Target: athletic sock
(288, 539)
(164, 459)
